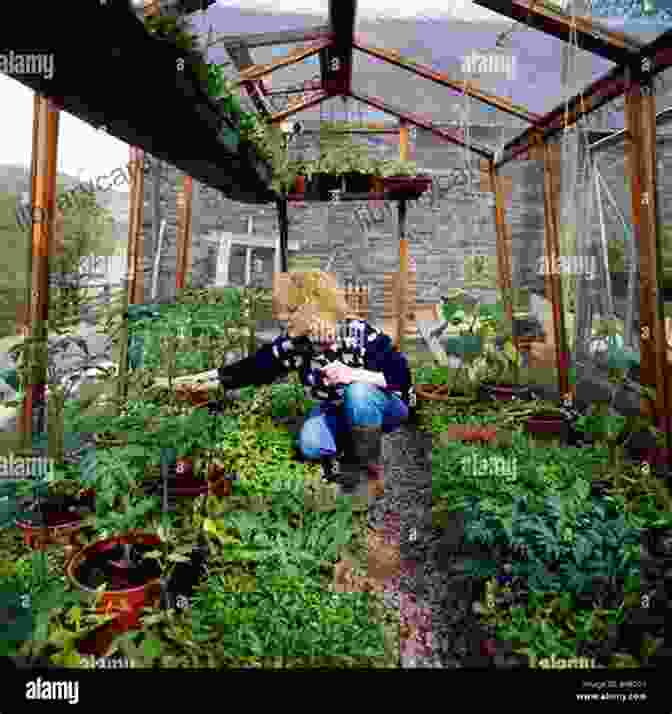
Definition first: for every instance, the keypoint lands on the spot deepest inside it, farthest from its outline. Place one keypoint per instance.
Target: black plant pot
(326, 184)
(357, 183)
(184, 579)
(504, 392)
(312, 188)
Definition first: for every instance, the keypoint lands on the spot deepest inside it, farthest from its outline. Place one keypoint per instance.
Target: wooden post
(283, 225)
(43, 203)
(184, 205)
(553, 253)
(132, 294)
(135, 234)
(403, 276)
(640, 118)
(403, 141)
(503, 263)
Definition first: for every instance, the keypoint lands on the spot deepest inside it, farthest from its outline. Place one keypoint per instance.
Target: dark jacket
(358, 345)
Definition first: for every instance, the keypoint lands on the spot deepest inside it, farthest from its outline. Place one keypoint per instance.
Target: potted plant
(605, 428)
(548, 423)
(55, 514)
(111, 570)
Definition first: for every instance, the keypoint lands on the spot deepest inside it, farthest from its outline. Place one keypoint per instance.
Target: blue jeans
(326, 425)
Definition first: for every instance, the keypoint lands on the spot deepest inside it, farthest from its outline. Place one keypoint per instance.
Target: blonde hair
(312, 287)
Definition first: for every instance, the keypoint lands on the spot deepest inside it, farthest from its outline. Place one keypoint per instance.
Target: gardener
(362, 381)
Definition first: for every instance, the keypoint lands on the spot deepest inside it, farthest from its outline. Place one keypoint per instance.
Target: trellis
(637, 65)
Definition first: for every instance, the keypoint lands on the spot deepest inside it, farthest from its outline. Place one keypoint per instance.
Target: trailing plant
(177, 31)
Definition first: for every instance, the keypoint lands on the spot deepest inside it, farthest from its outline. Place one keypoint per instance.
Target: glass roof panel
(507, 59)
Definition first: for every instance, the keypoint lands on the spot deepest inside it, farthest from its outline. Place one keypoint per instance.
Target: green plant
(178, 31)
(286, 611)
(30, 595)
(397, 168)
(120, 503)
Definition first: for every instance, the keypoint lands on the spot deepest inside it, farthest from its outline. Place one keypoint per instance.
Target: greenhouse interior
(178, 491)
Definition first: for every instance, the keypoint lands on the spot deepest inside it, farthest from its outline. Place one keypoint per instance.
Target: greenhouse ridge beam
(439, 78)
(338, 78)
(653, 59)
(616, 47)
(269, 39)
(422, 123)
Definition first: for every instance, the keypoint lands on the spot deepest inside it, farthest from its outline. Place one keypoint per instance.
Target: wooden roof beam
(591, 36)
(439, 78)
(317, 98)
(653, 59)
(256, 72)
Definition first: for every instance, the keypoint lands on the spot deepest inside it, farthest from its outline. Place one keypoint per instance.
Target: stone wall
(359, 240)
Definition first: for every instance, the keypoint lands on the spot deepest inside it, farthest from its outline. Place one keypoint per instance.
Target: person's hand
(338, 373)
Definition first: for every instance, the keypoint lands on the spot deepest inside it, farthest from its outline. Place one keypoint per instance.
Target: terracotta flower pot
(220, 482)
(377, 184)
(300, 185)
(129, 589)
(432, 392)
(196, 396)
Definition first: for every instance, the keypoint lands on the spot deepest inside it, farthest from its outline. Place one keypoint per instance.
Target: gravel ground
(438, 603)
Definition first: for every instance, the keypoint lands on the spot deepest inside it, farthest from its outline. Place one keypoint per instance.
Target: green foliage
(87, 229)
(287, 613)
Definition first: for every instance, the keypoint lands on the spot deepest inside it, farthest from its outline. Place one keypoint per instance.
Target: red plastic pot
(185, 484)
(125, 603)
(62, 528)
(548, 426)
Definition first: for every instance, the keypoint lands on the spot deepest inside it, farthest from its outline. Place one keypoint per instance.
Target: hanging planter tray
(410, 187)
